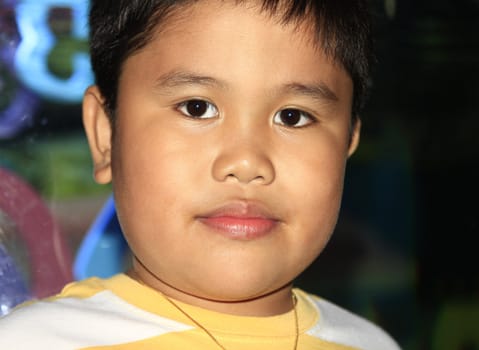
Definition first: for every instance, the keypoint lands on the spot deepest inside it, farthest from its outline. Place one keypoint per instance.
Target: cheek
(314, 185)
(150, 175)
(314, 173)
(318, 202)
(152, 157)
(148, 188)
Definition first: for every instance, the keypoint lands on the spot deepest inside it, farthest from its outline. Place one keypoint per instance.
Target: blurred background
(403, 254)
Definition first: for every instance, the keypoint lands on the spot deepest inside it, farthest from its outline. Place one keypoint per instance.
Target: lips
(240, 220)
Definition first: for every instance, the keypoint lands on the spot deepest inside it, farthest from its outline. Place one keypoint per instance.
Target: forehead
(188, 12)
(237, 43)
(199, 16)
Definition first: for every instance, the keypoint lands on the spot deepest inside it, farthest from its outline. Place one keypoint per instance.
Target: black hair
(119, 28)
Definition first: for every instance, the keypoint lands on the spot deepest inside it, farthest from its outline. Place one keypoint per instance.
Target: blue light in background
(37, 41)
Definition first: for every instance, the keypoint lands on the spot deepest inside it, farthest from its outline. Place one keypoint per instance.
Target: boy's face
(231, 140)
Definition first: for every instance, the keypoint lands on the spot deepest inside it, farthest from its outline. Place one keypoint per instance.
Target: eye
(198, 109)
(293, 118)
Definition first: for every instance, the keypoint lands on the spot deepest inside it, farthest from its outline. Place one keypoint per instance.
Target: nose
(245, 161)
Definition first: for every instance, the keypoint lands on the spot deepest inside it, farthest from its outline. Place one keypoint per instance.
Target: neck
(268, 304)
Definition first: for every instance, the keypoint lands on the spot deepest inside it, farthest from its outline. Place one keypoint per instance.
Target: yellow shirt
(121, 314)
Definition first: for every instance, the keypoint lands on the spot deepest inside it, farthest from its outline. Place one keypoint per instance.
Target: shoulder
(340, 326)
(33, 323)
(84, 314)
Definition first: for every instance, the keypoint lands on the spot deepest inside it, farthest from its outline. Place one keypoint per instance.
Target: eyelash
(182, 107)
(304, 117)
(200, 107)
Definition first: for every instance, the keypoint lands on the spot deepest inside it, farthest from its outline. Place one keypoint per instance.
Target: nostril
(259, 178)
(244, 165)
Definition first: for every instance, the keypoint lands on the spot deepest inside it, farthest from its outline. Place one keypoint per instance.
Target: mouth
(240, 220)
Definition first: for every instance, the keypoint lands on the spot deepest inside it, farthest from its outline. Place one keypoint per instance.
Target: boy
(225, 127)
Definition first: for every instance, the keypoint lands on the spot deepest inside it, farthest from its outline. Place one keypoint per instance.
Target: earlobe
(355, 136)
(98, 130)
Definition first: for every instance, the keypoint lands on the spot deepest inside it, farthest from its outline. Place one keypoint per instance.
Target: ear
(98, 130)
(355, 136)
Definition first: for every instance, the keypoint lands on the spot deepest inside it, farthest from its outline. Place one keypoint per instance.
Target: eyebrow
(320, 91)
(179, 78)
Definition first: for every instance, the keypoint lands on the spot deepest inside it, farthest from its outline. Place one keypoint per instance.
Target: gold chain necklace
(213, 338)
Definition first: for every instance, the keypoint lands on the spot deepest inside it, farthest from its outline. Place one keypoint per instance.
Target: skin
(169, 170)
